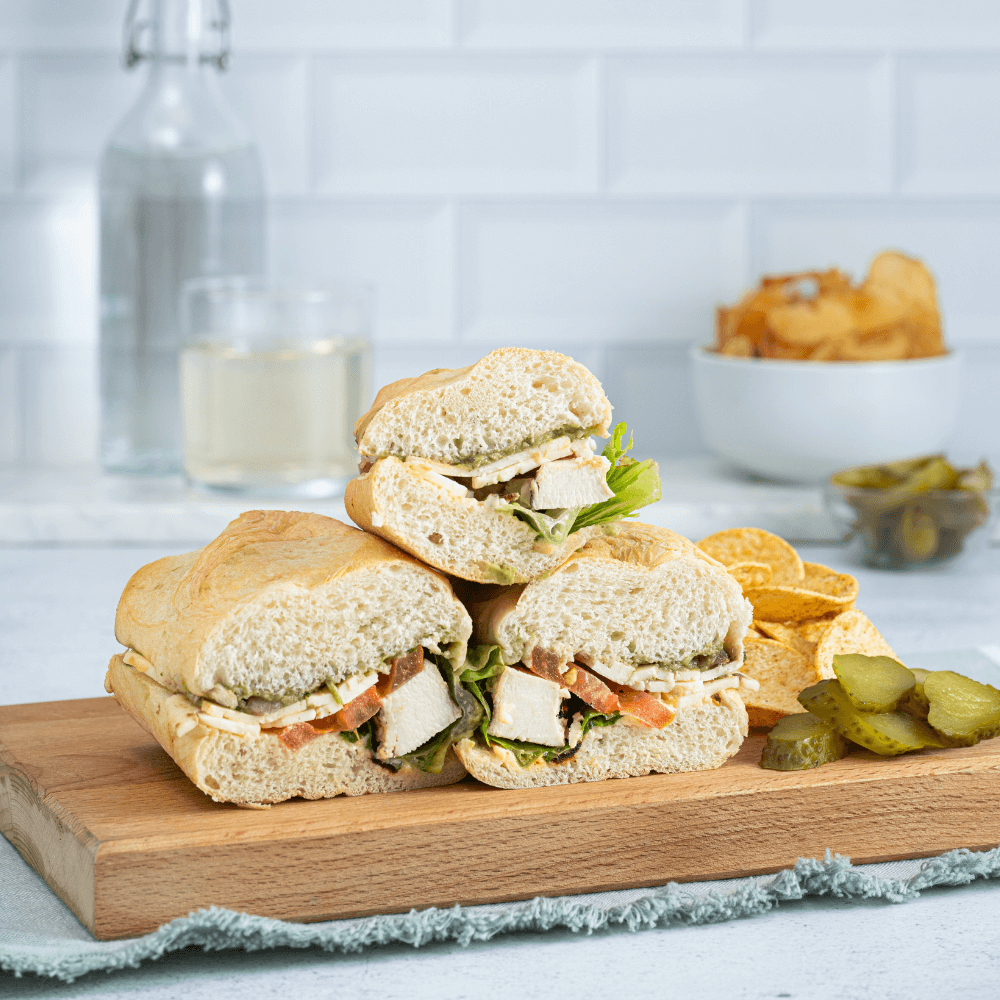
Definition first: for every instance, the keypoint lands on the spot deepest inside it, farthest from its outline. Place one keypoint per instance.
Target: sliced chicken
(526, 707)
(571, 482)
(414, 712)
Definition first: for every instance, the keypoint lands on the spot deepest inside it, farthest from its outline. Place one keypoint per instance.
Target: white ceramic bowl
(805, 420)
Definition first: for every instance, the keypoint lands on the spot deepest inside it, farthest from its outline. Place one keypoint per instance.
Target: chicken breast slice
(526, 707)
(414, 712)
(571, 482)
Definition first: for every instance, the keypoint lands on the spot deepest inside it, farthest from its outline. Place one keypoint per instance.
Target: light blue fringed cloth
(39, 934)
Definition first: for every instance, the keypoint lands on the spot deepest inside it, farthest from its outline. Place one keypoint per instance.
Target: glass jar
(273, 376)
(182, 196)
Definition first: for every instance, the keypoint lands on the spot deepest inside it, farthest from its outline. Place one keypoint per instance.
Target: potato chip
(821, 316)
(751, 574)
(754, 545)
(906, 278)
(739, 346)
(787, 634)
(781, 672)
(850, 632)
(810, 323)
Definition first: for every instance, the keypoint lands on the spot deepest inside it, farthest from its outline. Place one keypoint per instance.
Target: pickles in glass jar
(799, 742)
(914, 512)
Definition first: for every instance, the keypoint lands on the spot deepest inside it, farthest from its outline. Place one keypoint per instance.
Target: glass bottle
(182, 196)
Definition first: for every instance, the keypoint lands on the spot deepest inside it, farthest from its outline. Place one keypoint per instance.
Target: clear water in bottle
(160, 227)
(182, 196)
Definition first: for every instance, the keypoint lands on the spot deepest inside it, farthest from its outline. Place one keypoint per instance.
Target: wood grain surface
(121, 835)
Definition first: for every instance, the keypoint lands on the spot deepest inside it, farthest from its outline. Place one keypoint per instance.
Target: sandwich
(490, 473)
(295, 656)
(623, 661)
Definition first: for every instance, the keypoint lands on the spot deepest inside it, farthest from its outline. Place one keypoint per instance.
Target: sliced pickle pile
(873, 683)
(798, 742)
(962, 710)
(880, 705)
(885, 733)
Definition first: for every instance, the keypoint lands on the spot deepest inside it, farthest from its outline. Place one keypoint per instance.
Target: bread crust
(700, 738)
(176, 608)
(257, 770)
(448, 413)
(475, 543)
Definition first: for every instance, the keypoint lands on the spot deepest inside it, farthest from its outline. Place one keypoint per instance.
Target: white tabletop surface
(77, 504)
(56, 621)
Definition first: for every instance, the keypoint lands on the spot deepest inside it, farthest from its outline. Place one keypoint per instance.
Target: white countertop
(56, 621)
(76, 504)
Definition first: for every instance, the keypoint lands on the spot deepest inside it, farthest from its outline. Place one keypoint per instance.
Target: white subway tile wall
(588, 175)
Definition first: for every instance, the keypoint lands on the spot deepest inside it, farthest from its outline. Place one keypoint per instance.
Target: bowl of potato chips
(811, 373)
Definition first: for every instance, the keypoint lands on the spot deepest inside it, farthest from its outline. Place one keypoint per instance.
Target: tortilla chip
(814, 630)
(754, 545)
(763, 718)
(850, 632)
(781, 672)
(751, 574)
(793, 604)
(824, 580)
(788, 635)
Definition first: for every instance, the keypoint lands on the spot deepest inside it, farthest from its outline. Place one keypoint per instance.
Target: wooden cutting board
(107, 819)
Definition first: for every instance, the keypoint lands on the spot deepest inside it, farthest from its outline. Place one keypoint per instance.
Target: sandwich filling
(542, 709)
(403, 710)
(556, 485)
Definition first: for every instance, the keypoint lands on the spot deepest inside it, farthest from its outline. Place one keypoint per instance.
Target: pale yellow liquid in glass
(271, 417)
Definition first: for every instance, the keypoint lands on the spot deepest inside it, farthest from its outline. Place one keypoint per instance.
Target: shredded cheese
(228, 725)
(289, 720)
(186, 726)
(137, 660)
(423, 471)
(319, 699)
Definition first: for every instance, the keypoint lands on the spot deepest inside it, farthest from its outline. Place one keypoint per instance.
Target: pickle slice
(885, 733)
(918, 534)
(873, 683)
(916, 701)
(962, 710)
(798, 742)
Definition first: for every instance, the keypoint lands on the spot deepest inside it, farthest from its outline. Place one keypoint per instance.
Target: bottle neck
(179, 33)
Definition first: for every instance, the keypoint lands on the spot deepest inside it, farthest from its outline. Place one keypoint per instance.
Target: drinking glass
(273, 376)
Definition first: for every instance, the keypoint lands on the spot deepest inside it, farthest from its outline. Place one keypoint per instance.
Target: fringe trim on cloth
(218, 929)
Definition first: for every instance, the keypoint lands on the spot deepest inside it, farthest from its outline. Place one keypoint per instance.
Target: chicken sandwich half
(623, 661)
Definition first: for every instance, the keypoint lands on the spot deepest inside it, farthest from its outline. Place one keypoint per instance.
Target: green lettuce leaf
(592, 718)
(635, 484)
(524, 753)
(553, 527)
(430, 756)
(481, 663)
(363, 733)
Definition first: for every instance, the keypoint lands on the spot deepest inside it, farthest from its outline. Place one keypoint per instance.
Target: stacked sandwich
(297, 656)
